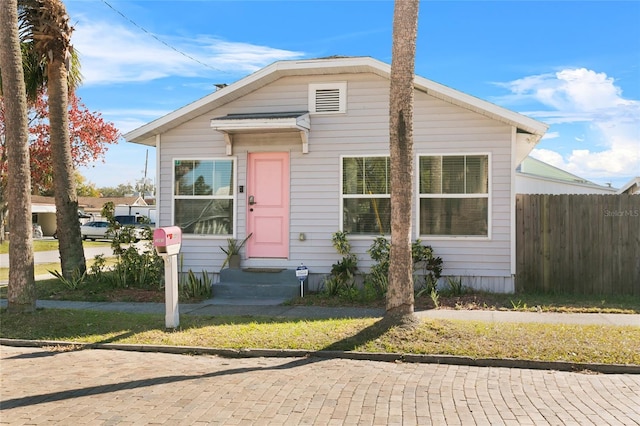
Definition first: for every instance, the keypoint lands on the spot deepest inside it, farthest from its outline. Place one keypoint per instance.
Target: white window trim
(342, 197)
(234, 197)
(419, 196)
(341, 86)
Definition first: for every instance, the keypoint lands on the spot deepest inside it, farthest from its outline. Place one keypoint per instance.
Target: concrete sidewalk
(276, 309)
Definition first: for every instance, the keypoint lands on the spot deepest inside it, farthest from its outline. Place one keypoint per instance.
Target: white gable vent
(327, 98)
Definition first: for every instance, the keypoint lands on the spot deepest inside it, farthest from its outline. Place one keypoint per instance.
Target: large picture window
(203, 196)
(366, 200)
(454, 195)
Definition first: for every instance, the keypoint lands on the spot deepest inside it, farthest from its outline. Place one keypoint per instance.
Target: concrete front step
(257, 283)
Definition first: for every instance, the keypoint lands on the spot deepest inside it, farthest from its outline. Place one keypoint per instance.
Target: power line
(161, 41)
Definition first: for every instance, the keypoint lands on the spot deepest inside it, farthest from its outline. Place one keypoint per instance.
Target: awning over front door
(290, 121)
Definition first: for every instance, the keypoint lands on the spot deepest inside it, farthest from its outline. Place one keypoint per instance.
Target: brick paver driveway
(117, 387)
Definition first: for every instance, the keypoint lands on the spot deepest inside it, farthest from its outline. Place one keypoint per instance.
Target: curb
(360, 356)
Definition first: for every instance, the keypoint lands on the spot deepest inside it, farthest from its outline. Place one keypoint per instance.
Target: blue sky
(573, 65)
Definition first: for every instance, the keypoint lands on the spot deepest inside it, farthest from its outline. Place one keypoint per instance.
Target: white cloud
(243, 56)
(585, 96)
(551, 135)
(110, 53)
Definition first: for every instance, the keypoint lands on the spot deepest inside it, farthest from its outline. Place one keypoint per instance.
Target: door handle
(251, 200)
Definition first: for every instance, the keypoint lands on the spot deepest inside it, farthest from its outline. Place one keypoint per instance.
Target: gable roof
(337, 65)
(631, 187)
(537, 169)
(533, 166)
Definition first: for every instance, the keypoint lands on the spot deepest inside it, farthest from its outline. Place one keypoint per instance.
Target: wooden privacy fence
(579, 244)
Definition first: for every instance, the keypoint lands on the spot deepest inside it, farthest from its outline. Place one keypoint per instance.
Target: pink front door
(268, 204)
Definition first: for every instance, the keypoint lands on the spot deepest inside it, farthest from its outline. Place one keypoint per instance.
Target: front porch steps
(257, 283)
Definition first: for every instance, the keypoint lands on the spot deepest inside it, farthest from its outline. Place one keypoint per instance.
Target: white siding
(363, 130)
(444, 129)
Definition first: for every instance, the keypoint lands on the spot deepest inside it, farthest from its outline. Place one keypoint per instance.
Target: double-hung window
(454, 195)
(203, 196)
(366, 199)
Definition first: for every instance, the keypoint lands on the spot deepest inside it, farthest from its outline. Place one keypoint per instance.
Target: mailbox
(167, 240)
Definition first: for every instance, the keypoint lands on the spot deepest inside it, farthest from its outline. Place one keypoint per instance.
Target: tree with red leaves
(90, 138)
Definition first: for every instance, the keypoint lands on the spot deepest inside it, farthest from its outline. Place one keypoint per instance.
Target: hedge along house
(300, 149)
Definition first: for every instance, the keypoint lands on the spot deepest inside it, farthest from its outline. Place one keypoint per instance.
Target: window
(203, 196)
(454, 195)
(366, 200)
(328, 98)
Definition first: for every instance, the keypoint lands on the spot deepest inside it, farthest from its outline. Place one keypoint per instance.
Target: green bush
(424, 260)
(76, 281)
(136, 266)
(341, 282)
(378, 278)
(426, 267)
(193, 287)
(331, 286)
(376, 283)
(455, 286)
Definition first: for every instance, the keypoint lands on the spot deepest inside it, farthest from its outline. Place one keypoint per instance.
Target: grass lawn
(44, 268)
(48, 245)
(541, 342)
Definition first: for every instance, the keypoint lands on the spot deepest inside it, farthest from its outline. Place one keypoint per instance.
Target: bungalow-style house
(43, 209)
(537, 177)
(300, 149)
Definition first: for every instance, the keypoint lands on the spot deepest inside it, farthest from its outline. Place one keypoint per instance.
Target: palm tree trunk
(21, 295)
(72, 257)
(400, 298)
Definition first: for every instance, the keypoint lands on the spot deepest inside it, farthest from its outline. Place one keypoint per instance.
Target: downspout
(158, 191)
(512, 212)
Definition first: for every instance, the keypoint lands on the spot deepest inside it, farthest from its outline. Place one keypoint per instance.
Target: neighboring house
(43, 209)
(43, 213)
(537, 177)
(94, 205)
(631, 187)
(300, 149)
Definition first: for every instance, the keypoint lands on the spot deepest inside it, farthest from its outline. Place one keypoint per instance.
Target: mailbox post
(167, 242)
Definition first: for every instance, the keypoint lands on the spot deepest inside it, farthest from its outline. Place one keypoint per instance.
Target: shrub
(342, 280)
(76, 281)
(136, 266)
(378, 279)
(195, 288)
(455, 286)
(430, 267)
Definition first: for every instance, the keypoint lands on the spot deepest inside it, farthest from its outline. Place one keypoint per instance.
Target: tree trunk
(400, 297)
(72, 257)
(21, 295)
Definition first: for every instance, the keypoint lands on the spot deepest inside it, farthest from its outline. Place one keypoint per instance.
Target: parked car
(81, 215)
(96, 230)
(100, 230)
